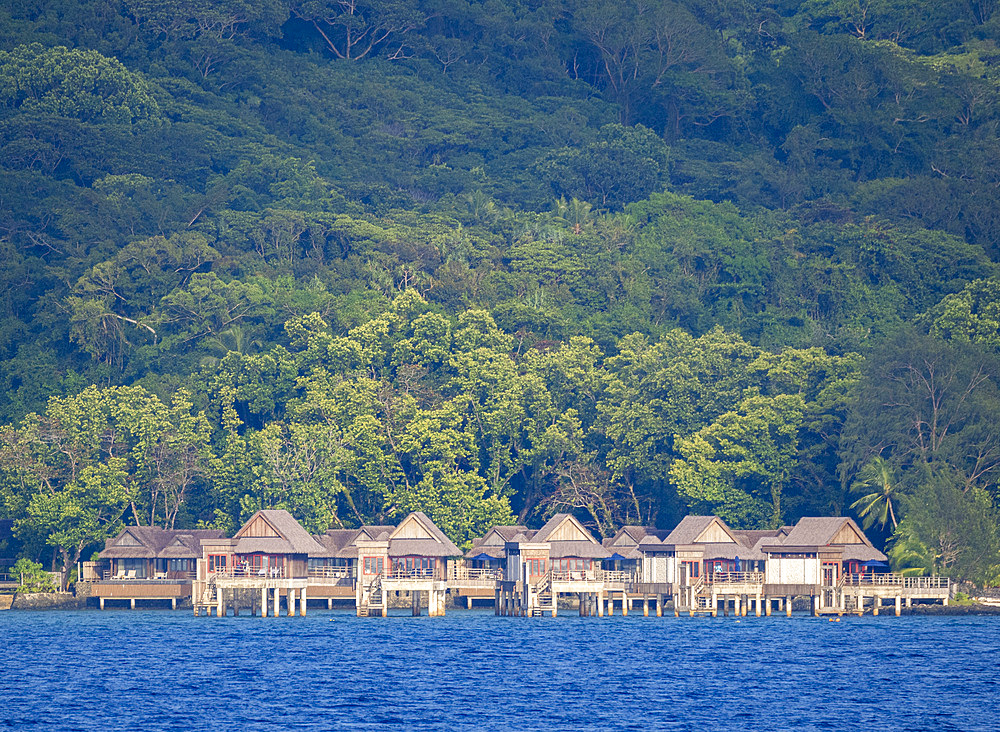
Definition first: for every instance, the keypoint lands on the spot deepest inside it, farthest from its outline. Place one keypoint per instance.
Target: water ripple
(470, 670)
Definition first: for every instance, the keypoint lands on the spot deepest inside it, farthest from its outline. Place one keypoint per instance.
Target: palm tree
(879, 490)
(233, 339)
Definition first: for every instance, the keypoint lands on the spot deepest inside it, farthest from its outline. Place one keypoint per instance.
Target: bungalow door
(830, 574)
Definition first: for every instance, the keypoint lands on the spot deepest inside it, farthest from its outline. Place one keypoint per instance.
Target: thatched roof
(433, 544)
(299, 541)
(152, 542)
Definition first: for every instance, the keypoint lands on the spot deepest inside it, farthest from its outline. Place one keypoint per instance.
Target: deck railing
(592, 575)
(331, 572)
(256, 572)
(404, 574)
(131, 576)
(895, 580)
(474, 574)
(617, 577)
(735, 578)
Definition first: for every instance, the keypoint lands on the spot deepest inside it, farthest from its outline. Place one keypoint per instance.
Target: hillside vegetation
(493, 259)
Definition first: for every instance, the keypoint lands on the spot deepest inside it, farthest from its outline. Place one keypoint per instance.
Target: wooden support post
(173, 603)
(329, 603)
(101, 600)
(496, 600)
(899, 605)
(756, 604)
(909, 602)
(737, 606)
(600, 604)
(625, 604)
(290, 602)
(815, 604)
(725, 606)
(715, 605)
(132, 603)
(676, 602)
(645, 606)
(468, 602)
(385, 603)
(767, 606)
(276, 600)
(876, 604)
(555, 604)
(788, 606)
(302, 603)
(659, 605)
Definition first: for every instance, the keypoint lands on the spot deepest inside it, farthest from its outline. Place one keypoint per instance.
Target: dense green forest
(494, 259)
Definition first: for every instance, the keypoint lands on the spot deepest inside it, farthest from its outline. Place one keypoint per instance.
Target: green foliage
(80, 84)
(31, 576)
(494, 260)
(948, 530)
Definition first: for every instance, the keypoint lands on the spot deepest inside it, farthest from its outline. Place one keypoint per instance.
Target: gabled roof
(825, 531)
(500, 534)
(337, 543)
(151, 542)
(563, 527)
(374, 532)
(418, 536)
(699, 529)
(287, 535)
(491, 544)
(567, 537)
(184, 546)
(814, 532)
(633, 536)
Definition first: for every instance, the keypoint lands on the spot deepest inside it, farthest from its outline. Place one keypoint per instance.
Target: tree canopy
(496, 259)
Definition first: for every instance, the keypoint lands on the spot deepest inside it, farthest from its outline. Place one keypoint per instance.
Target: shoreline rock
(48, 601)
(952, 609)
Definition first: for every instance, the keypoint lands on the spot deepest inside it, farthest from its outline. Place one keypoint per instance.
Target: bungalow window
(571, 565)
(692, 568)
(137, 567)
(217, 562)
(536, 567)
(373, 565)
(413, 565)
(179, 565)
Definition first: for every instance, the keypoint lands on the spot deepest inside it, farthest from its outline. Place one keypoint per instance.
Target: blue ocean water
(471, 670)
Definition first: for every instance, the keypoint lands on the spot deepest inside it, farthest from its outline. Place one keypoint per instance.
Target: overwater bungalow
(333, 573)
(624, 548)
(475, 576)
(270, 554)
(831, 560)
(700, 562)
(147, 563)
(412, 558)
(561, 557)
